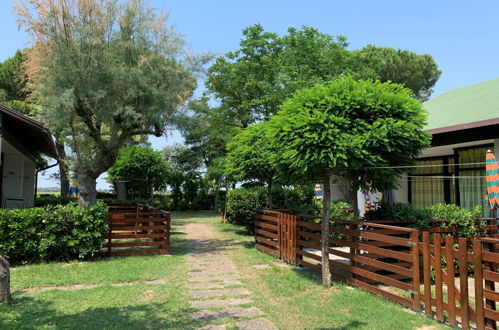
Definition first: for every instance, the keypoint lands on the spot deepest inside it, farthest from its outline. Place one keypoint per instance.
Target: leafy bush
(60, 233)
(398, 212)
(242, 203)
(51, 200)
(462, 219)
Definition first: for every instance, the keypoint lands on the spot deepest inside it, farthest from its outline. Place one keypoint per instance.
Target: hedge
(242, 203)
(52, 233)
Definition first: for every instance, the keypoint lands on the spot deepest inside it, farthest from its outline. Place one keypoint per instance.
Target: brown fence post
(426, 273)
(478, 274)
(437, 244)
(292, 243)
(451, 297)
(415, 271)
(490, 285)
(463, 282)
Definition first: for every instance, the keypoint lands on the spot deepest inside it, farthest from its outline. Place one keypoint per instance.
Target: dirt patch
(261, 324)
(146, 296)
(87, 286)
(208, 315)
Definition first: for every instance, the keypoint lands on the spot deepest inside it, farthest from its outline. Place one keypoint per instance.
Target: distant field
(54, 193)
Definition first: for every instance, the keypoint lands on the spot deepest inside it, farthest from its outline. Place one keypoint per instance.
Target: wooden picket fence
(451, 279)
(137, 229)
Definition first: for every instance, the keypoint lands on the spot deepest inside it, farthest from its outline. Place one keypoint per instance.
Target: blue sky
(462, 36)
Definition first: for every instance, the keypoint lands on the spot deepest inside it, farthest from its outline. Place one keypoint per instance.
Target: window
(439, 181)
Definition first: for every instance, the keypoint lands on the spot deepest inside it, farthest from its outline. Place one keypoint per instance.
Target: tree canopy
(143, 169)
(252, 82)
(105, 71)
(251, 155)
(417, 72)
(349, 129)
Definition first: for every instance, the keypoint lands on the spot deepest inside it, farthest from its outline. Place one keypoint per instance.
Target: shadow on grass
(349, 325)
(32, 313)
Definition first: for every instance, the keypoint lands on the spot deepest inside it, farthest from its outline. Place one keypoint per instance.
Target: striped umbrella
(492, 179)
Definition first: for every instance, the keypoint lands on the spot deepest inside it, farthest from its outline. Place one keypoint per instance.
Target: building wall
(18, 178)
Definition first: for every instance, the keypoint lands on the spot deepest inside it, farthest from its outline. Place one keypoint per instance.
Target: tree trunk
(87, 194)
(216, 201)
(326, 202)
(151, 192)
(5, 296)
(63, 168)
(354, 199)
(120, 188)
(269, 192)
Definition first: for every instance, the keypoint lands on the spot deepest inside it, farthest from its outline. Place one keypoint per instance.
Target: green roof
(464, 105)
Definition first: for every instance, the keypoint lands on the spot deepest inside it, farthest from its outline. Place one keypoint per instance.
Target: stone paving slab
(211, 272)
(255, 324)
(216, 303)
(213, 327)
(213, 285)
(209, 315)
(220, 293)
(214, 278)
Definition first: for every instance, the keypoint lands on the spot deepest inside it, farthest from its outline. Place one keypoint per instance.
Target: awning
(29, 136)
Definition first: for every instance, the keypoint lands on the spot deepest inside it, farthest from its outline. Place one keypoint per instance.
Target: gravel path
(215, 286)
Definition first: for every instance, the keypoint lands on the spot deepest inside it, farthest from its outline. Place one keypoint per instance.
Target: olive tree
(350, 130)
(105, 71)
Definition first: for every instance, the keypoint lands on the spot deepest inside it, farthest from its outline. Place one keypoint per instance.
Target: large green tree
(13, 78)
(251, 156)
(418, 72)
(252, 82)
(105, 71)
(350, 130)
(143, 169)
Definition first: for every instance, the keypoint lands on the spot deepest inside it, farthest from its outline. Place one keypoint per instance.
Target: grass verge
(294, 299)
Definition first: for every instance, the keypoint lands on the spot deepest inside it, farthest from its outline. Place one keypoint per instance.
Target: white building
(22, 140)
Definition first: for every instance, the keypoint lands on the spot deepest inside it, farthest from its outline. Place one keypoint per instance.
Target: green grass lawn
(136, 305)
(292, 299)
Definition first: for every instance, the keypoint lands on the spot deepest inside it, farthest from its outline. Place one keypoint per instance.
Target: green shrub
(398, 212)
(242, 203)
(51, 200)
(60, 233)
(462, 219)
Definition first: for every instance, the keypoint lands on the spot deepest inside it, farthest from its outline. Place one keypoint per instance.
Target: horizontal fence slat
(137, 252)
(365, 247)
(266, 225)
(372, 262)
(267, 249)
(492, 295)
(131, 244)
(267, 218)
(156, 227)
(491, 276)
(266, 233)
(127, 235)
(267, 241)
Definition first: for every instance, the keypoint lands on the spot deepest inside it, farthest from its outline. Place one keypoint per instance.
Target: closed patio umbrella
(492, 179)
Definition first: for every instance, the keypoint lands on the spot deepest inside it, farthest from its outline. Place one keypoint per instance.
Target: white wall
(18, 176)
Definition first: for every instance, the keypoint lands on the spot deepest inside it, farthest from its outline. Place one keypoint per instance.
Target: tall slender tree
(105, 71)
